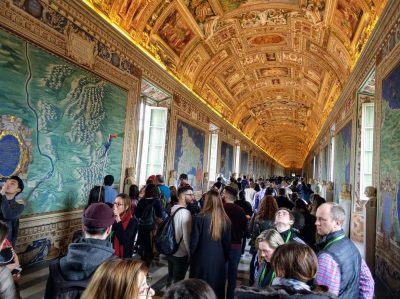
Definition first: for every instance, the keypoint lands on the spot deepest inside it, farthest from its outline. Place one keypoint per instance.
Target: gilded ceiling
(273, 68)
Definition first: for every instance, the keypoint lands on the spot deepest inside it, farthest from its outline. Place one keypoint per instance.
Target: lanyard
(262, 276)
(334, 240)
(288, 237)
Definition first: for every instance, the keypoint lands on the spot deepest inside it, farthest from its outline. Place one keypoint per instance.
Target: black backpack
(165, 240)
(147, 220)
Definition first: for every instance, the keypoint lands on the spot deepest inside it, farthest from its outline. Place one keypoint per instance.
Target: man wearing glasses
(178, 262)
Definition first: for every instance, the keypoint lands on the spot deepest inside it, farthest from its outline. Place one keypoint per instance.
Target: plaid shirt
(328, 274)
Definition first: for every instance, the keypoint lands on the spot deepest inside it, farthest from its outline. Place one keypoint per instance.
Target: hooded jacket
(73, 272)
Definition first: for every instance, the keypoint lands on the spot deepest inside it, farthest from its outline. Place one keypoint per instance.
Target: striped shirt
(328, 274)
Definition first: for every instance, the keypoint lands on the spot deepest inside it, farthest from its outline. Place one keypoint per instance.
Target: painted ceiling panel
(273, 68)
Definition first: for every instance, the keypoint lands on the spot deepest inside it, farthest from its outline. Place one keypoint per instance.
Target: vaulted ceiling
(273, 68)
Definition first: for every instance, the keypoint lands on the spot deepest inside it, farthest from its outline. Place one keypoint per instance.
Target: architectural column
(370, 227)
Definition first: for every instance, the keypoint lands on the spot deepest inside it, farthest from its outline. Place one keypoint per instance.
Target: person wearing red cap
(70, 275)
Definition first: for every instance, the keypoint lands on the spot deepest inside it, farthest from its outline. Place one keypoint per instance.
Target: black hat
(20, 182)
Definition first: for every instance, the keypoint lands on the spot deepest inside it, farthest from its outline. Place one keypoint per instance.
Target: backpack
(165, 240)
(147, 220)
(65, 289)
(163, 200)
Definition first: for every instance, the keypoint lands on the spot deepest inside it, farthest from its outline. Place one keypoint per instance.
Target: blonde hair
(271, 237)
(219, 220)
(116, 279)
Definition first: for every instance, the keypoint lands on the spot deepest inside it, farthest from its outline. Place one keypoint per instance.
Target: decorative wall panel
(244, 163)
(189, 153)
(72, 114)
(342, 158)
(226, 159)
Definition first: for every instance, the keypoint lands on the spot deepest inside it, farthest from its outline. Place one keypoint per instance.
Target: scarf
(293, 283)
(119, 248)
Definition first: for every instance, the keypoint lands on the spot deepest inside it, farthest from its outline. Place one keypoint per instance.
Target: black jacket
(76, 268)
(126, 237)
(280, 292)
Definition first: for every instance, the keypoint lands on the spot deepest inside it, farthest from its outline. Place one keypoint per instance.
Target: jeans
(232, 265)
(177, 267)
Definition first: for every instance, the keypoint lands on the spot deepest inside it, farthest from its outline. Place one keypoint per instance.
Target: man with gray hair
(340, 266)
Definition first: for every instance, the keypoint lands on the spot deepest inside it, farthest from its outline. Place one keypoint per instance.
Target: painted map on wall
(244, 163)
(342, 158)
(388, 230)
(389, 195)
(71, 113)
(226, 159)
(189, 153)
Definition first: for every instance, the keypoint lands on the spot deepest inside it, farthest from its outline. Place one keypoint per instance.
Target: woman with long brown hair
(211, 238)
(121, 279)
(260, 222)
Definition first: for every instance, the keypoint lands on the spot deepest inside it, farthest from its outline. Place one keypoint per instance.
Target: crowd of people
(296, 241)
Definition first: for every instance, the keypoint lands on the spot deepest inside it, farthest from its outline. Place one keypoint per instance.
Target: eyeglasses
(118, 204)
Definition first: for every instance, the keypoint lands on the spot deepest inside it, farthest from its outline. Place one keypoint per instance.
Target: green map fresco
(71, 113)
(342, 159)
(389, 187)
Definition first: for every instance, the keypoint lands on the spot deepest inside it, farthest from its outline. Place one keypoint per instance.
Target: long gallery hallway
(106, 97)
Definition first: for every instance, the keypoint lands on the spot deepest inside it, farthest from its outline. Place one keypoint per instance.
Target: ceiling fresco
(274, 69)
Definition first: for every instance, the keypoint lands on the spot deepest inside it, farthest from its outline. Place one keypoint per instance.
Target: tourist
(134, 196)
(260, 222)
(250, 192)
(7, 287)
(266, 244)
(308, 231)
(70, 275)
(340, 266)
(238, 220)
(165, 194)
(149, 212)
(109, 192)
(259, 196)
(183, 180)
(282, 200)
(10, 209)
(244, 183)
(283, 222)
(210, 243)
(125, 227)
(192, 288)
(174, 197)
(315, 201)
(178, 262)
(96, 194)
(295, 266)
(120, 279)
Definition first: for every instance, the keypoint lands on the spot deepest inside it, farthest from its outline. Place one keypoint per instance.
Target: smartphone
(16, 271)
